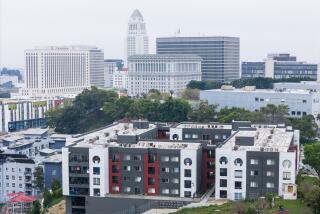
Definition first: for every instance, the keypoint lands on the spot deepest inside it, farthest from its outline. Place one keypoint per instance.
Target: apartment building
(299, 101)
(19, 114)
(16, 175)
(258, 160)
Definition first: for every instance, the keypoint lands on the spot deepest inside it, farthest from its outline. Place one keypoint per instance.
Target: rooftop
(163, 145)
(37, 131)
(165, 56)
(204, 126)
(267, 138)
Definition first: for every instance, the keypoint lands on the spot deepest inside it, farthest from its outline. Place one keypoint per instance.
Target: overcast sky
(264, 26)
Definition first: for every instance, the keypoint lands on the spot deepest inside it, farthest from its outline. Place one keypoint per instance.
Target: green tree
(307, 126)
(47, 198)
(56, 189)
(275, 114)
(227, 115)
(312, 156)
(118, 109)
(174, 110)
(36, 208)
(190, 94)
(145, 109)
(313, 199)
(203, 113)
(39, 178)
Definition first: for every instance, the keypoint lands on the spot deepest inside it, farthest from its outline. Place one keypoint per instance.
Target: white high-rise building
(137, 38)
(59, 70)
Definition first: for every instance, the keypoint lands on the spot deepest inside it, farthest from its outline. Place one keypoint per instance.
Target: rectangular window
(270, 162)
(165, 180)
(115, 169)
(270, 185)
(187, 173)
(187, 194)
(137, 168)
(126, 157)
(238, 196)
(254, 173)
(175, 170)
(137, 157)
(96, 181)
(96, 170)
(254, 161)
(151, 181)
(96, 192)
(187, 184)
(195, 136)
(238, 173)
(270, 174)
(238, 185)
(223, 194)
(165, 169)
(151, 170)
(286, 175)
(151, 190)
(253, 184)
(115, 179)
(175, 191)
(223, 183)
(187, 136)
(175, 180)
(127, 168)
(165, 158)
(174, 159)
(127, 189)
(165, 191)
(223, 172)
(137, 179)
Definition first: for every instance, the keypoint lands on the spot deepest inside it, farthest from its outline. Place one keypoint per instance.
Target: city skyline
(35, 23)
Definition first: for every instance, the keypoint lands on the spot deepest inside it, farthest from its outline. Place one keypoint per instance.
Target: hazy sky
(263, 26)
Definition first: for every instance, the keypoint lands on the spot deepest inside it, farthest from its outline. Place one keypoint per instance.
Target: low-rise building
(258, 160)
(19, 114)
(304, 85)
(300, 102)
(52, 170)
(120, 79)
(164, 72)
(16, 175)
(110, 67)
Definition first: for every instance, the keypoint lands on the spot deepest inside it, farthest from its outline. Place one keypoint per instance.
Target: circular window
(96, 159)
(175, 137)
(286, 163)
(223, 160)
(187, 162)
(238, 162)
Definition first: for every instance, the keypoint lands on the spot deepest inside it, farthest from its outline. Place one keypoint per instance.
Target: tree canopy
(312, 156)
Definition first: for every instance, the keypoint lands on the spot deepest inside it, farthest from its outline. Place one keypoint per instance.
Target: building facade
(164, 72)
(58, 70)
(258, 160)
(18, 114)
(110, 67)
(220, 55)
(120, 79)
(299, 102)
(279, 66)
(16, 175)
(137, 38)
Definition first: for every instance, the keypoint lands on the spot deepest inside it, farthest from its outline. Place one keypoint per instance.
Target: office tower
(164, 72)
(220, 55)
(110, 67)
(62, 70)
(279, 66)
(137, 38)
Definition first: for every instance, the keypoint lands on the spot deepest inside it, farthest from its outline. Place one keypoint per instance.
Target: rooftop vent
(227, 87)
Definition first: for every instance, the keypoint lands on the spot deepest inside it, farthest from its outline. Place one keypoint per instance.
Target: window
(187, 184)
(20, 185)
(238, 162)
(137, 179)
(115, 188)
(115, 169)
(175, 170)
(13, 177)
(137, 157)
(254, 172)
(223, 194)
(223, 183)
(187, 194)
(115, 179)
(174, 159)
(126, 157)
(7, 177)
(165, 191)
(137, 168)
(20, 178)
(254, 161)
(12, 169)
(127, 168)
(238, 196)
(216, 137)
(165, 158)
(53, 172)
(238, 173)
(96, 181)
(304, 101)
(96, 170)
(151, 181)
(253, 184)
(223, 172)
(269, 185)
(175, 180)
(187, 162)
(238, 185)
(96, 192)
(13, 185)
(151, 170)
(293, 113)
(270, 162)
(126, 178)
(210, 164)
(286, 175)
(187, 173)
(261, 99)
(96, 159)
(270, 174)
(256, 99)
(165, 180)
(223, 160)
(165, 169)
(286, 164)
(127, 189)
(151, 190)
(175, 191)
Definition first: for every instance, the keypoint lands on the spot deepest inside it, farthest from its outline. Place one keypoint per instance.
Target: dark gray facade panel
(262, 179)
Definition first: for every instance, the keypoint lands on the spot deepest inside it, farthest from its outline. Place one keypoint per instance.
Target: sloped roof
(136, 14)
